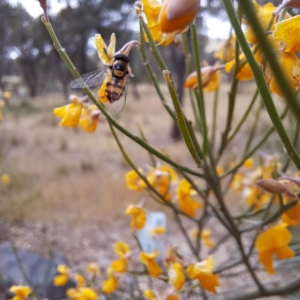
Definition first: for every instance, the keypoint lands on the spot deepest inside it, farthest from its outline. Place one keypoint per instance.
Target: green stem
(154, 49)
(259, 77)
(188, 72)
(214, 119)
(231, 104)
(144, 139)
(88, 92)
(152, 75)
(244, 117)
(253, 129)
(181, 120)
(200, 97)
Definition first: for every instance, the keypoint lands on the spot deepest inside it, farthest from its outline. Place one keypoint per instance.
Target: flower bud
(271, 185)
(176, 15)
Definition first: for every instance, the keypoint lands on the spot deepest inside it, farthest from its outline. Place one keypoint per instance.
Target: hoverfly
(112, 78)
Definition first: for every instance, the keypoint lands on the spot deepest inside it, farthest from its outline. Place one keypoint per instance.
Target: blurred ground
(68, 191)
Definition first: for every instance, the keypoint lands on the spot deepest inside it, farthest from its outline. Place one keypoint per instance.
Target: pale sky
(216, 28)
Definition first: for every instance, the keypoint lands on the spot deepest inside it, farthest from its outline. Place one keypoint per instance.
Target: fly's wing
(118, 98)
(119, 104)
(90, 79)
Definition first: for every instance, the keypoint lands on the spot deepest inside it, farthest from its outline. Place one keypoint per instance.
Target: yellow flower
(220, 170)
(6, 96)
(161, 178)
(203, 271)
(134, 181)
(139, 216)
(264, 15)
(209, 76)
(70, 113)
(80, 280)
(157, 231)
(256, 197)
(149, 260)
(150, 295)
(237, 182)
(291, 216)
(1, 115)
(63, 278)
(187, 204)
(205, 236)
(21, 292)
(287, 32)
(5, 178)
(274, 240)
(245, 72)
(168, 295)
(90, 118)
(176, 276)
(151, 9)
(111, 284)
(248, 163)
(93, 269)
(176, 15)
(82, 293)
(226, 53)
(105, 53)
(122, 249)
(291, 68)
(119, 265)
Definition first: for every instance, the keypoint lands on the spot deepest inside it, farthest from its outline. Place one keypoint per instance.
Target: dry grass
(64, 175)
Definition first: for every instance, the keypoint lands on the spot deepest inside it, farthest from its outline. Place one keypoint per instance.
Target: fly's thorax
(120, 65)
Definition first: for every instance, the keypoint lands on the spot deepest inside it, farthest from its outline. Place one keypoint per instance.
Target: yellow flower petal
(176, 276)
(203, 271)
(5, 178)
(288, 32)
(291, 68)
(101, 47)
(111, 47)
(245, 72)
(134, 182)
(274, 240)
(292, 216)
(189, 206)
(111, 284)
(149, 294)
(60, 280)
(21, 291)
(139, 216)
(121, 249)
(80, 280)
(119, 265)
(93, 268)
(265, 257)
(149, 259)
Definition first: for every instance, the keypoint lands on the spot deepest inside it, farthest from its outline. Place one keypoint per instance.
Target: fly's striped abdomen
(114, 89)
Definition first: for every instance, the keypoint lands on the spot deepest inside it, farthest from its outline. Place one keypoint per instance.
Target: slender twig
(244, 117)
(200, 97)
(181, 121)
